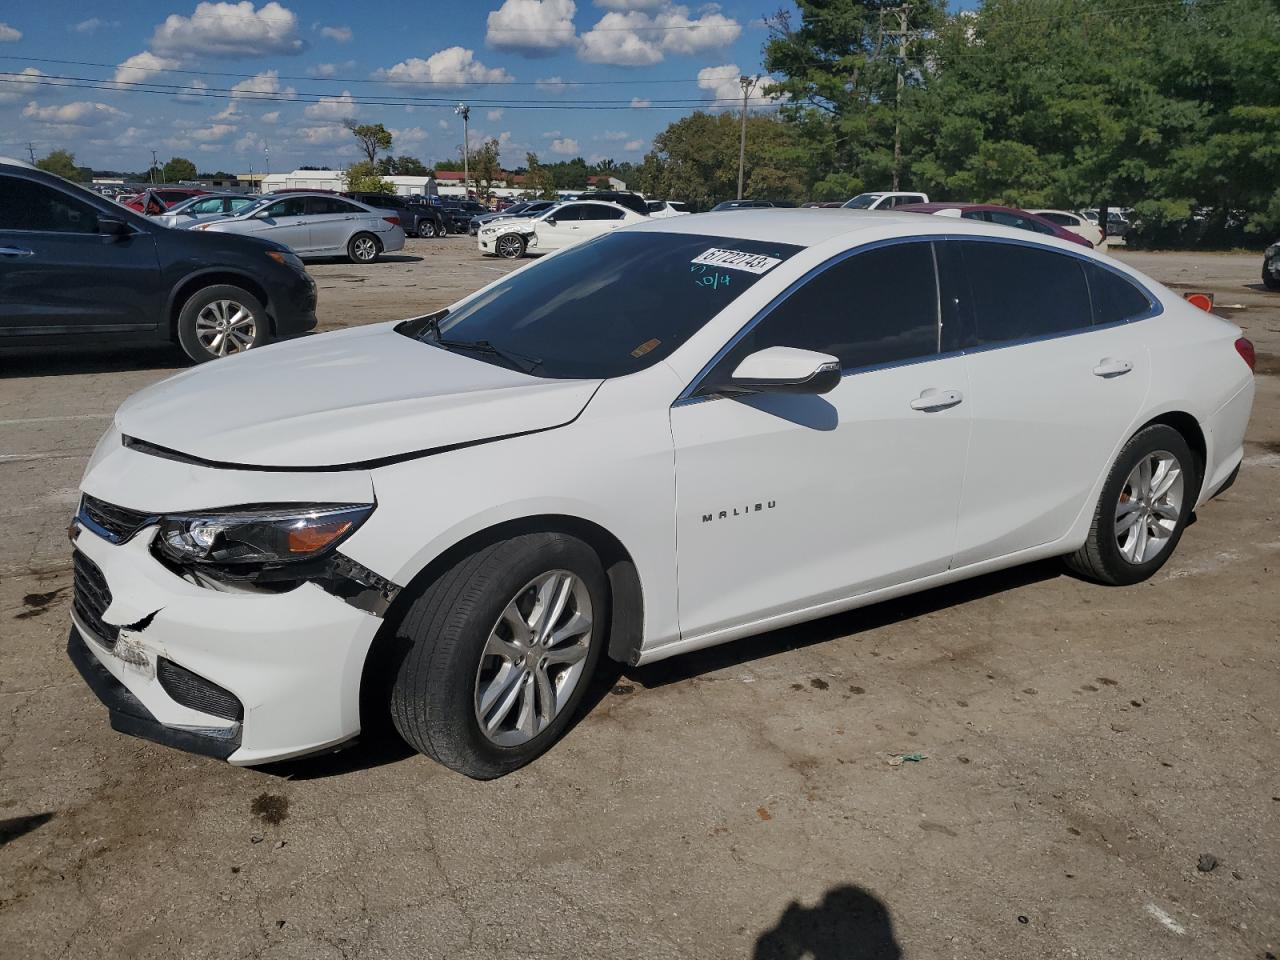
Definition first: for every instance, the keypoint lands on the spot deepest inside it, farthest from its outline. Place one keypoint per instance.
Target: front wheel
(427, 229)
(363, 248)
(1142, 511)
(1270, 282)
(221, 320)
(509, 246)
(499, 651)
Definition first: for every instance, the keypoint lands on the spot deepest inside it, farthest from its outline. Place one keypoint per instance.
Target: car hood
(352, 398)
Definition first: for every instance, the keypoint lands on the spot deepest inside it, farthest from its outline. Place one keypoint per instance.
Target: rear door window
(291, 207)
(1019, 292)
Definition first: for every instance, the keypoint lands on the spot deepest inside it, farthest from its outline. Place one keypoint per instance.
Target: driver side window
(568, 214)
(292, 207)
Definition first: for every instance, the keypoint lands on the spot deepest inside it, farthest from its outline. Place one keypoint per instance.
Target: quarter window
(1019, 292)
(1115, 299)
(879, 306)
(26, 205)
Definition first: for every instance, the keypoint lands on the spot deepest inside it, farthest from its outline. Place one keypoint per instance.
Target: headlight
(1273, 250)
(243, 541)
(287, 259)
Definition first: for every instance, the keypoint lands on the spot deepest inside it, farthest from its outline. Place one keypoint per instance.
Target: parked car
(1118, 224)
(884, 200)
(635, 202)
(77, 269)
(416, 219)
(1075, 222)
(659, 209)
(318, 225)
(682, 433)
(995, 214)
(563, 225)
(1271, 267)
(202, 207)
(160, 199)
(458, 213)
(526, 208)
(741, 205)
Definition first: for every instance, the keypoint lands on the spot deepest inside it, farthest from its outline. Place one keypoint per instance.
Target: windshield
(862, 201)
(608, 307)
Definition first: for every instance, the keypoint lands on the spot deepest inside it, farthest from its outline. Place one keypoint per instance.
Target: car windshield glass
(258, 204)
(608, 307)
(861, 202)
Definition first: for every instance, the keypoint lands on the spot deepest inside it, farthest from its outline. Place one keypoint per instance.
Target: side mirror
(112, 227)
(550, 221)
(786, 370)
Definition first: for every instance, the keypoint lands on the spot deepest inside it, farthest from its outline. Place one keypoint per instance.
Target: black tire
(1271, 283)
(1100, 558)
(194, 336)
(443, 636)
(427, 229)
(359, 249)
(506, 249)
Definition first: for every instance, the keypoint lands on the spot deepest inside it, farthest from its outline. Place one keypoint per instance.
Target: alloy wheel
(1150, 507)
(534, 658)
(225, 326)
(508, 246)
(365, 248)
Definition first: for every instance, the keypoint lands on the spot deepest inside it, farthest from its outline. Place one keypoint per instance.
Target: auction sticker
(736, 260)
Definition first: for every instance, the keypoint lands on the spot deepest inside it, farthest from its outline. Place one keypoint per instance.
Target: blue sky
(216, 82)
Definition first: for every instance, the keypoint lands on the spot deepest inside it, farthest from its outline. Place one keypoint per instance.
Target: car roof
(18, 163)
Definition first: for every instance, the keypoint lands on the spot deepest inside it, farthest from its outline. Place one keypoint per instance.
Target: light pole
(747, 83)
(464, 112)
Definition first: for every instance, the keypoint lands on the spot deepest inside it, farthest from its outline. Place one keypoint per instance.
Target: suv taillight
(1244, 347)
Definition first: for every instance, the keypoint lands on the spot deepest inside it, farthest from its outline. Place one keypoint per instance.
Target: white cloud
(551, 134)
(724, 84)
(141, 67)
(454, 65)
(9, 34)
(340, 34)
(20, 86)
(640, 102)
(552, 85)
(218, 131)
(494, 116)
(272, 117)
(81, 113)
(407, 136)
(93, 25)
(229, 30)
(333, 108)
(232, 112)
(568, 147)
(329, 133)
(631, 4)
(443, 124)
(330, 69)
(613, 135)
(630, 37)
(532, 28)
(249, 142)
(631, 146)
(264, 84)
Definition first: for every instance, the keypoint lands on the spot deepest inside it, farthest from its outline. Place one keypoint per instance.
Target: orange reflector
(311, 539)
(1202, 300)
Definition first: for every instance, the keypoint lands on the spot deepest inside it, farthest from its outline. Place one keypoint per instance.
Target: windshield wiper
(519, 361)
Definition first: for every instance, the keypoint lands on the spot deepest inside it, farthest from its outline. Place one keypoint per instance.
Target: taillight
(394, 221)
(1244, 347)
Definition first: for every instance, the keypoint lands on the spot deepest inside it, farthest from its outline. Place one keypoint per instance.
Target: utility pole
(747, 84)
(153, 166)
(464, 112)
(903, 12)
(31, 149)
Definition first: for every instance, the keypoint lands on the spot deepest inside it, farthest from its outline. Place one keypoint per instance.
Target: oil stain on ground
(270, 808)
(38, 603)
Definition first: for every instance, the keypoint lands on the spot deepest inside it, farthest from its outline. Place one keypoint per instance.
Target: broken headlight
(241, 542)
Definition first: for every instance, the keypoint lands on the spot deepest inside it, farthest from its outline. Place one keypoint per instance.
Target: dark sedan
(994, 213)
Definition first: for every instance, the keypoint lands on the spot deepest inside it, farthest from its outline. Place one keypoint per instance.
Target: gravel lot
(1084, 748)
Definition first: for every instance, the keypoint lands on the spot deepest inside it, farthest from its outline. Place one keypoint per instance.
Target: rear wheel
(509, 246)
(363, 248)
(1142, 511)
(427, 229)
(221, 320)
(498, 653)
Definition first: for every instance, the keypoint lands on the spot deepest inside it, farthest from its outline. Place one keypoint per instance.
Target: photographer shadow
(850, 923)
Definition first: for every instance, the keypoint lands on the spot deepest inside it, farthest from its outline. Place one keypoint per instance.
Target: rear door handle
(15, 252)
(935, 399)
(1108, 367)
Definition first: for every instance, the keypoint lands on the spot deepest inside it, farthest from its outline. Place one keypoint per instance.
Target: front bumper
(1271, 269)
(293, 305)
(292, 660)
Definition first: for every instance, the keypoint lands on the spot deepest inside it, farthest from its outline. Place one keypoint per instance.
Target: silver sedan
(316, 225)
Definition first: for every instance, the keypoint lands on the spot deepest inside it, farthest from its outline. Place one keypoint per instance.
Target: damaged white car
(666, 438)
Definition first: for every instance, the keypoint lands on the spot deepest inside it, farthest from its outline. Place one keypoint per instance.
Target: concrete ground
(1099, 775)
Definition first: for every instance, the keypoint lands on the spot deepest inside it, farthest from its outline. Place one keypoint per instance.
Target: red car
(994, 213)
(161, 199)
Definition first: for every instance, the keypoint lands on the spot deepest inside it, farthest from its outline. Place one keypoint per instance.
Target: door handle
(935, 399)
(1108, 367)
(15, 252)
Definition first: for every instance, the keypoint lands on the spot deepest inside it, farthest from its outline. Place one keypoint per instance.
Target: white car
(1075, 222)
(660, 209)
(317, 225)
(563, 225)
(204, 208)
(884, 200)
(669, 437)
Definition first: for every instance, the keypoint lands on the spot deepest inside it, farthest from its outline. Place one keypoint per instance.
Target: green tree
(540, 181)
(177, 169)
(365, 177)
(404, 166)
(61, 163)
(484, 166)
(371, 137)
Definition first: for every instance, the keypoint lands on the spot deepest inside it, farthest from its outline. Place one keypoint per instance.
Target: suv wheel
(363, 248)
(427, 229)
(499, 651)
(221, 320)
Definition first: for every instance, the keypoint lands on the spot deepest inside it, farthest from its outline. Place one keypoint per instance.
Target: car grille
(118, 524)
(194, 691)
(91, 598)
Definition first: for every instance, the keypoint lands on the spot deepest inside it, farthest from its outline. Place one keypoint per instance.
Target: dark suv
(78, 269)
(458, 213)
(417, 219)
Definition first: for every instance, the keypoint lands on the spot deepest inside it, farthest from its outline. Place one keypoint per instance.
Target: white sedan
(563, 225)
(316, 225)
(666, 438)
(1075, 222)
